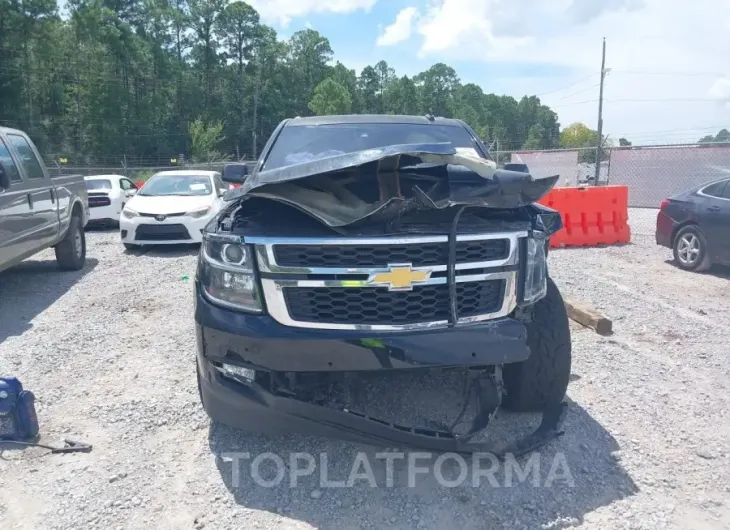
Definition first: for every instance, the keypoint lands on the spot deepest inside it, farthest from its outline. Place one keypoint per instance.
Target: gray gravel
(109, 352)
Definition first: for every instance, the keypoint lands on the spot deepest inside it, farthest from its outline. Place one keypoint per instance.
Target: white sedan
(172, 207)
(107, 196)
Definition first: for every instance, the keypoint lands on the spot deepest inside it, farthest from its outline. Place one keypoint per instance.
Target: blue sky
(669, 78)
(662, 87)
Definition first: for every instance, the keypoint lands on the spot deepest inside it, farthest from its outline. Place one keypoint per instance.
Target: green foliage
(128, 77)
(330, 97)
(623, 142)
(204, 139)
(721, 137)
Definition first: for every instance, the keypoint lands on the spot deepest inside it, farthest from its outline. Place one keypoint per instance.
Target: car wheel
(690, 249)
(71, 251)
(540, 382)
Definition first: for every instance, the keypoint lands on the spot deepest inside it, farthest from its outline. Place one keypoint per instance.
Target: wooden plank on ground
(589, 317)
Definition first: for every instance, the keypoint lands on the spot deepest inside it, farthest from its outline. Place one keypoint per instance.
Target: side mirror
(4, 178)
(235, 172)
(132, 191)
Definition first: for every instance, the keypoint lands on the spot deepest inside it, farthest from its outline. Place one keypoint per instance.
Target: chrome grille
(328, 283)
(427, 254)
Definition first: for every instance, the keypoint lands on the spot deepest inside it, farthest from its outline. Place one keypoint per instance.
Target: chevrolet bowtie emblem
(399, 277)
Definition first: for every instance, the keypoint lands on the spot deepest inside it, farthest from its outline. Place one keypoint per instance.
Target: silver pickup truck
(38, 211)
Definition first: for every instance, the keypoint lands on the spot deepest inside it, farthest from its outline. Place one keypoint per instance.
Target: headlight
(199, 212)
(226, 273)
(129, 214)
(536, 268)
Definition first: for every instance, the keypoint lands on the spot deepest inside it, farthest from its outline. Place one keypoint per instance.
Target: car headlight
(226, 273)
(129, 214)
(535, 268)
(198, 212)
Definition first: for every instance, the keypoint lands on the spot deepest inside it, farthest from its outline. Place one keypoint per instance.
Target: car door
(219, 189)
(715, 219)
(40, 192)
(128, 190)
(16, 218)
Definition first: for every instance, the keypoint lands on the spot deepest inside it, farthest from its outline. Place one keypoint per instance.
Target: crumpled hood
(405, 178)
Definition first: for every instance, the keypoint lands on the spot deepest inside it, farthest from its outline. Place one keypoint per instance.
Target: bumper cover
(250, 407)
(261, 343)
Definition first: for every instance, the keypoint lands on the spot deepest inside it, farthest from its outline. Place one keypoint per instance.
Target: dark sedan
(695, 224)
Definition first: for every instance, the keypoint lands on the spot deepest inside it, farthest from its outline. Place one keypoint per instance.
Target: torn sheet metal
(426, 177)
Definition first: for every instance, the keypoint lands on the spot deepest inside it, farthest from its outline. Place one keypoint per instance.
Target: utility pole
(600, 115)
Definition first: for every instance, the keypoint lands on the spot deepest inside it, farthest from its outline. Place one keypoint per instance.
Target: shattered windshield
(303, 143)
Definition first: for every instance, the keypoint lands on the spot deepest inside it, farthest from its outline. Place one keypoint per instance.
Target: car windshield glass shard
(162, 185)
(302, 143)
(93, 185)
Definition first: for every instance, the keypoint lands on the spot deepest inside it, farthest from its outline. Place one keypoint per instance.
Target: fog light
(232, 370)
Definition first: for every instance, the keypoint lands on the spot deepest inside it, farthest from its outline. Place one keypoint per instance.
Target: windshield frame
(160, 177)
(475, 142)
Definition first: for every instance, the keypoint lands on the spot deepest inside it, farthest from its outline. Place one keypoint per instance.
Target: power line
(648, 72)
(581, 91)
(567, 86)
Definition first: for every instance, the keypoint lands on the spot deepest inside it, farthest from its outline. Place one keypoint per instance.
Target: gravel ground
(109, 352)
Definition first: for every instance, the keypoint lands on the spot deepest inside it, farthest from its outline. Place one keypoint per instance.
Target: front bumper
(194, 227)
(260, 343)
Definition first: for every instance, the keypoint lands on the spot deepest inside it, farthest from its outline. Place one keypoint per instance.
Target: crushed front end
(293, 302)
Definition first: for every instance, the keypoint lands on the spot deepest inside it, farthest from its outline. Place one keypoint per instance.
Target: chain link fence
(137, 172)
(652, 173)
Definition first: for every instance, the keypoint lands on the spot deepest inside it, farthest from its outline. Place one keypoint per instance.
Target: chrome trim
(701, 192)
(272, 287)
(386, 240)
(276, 305)
(267, 260)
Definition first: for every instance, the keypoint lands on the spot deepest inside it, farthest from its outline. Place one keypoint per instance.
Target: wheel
(71, 251)
(130, 246)
(690, 249)
(541, 381)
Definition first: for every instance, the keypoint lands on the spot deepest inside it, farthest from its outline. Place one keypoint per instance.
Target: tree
(204, 140)
(330, 97)
(436, 87)
(368, 86)
(403, 97)
(310, 54)
(348, 79)
(623, 142)
(577, 135)
(124, 79)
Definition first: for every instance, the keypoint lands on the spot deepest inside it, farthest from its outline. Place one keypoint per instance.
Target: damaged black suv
(377, 243)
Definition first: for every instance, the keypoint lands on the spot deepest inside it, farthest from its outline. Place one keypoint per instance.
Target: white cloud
(283, 11)
(646, 40)
(720, 90)
(400, 30)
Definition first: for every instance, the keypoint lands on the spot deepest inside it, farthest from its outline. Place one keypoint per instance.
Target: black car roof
(372, 118)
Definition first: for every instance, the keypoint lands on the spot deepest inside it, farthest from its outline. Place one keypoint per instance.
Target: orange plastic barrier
(591, 216)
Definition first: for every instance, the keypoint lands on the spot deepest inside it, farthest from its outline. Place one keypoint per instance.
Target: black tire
(130, 247)
(541, 381)
(71, 251)
(697, 261)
